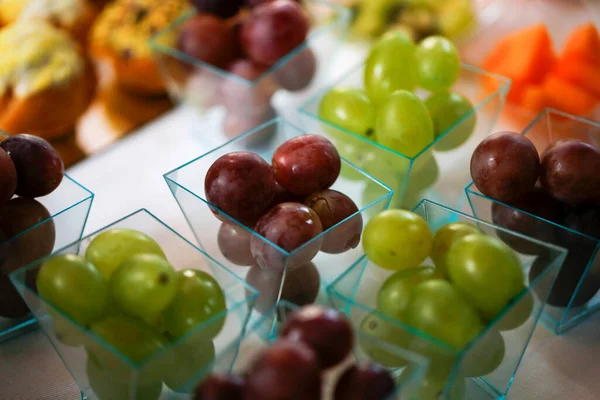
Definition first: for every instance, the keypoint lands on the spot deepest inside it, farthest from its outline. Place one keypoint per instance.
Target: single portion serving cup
(575, 294)
(31, 229)
(265, 331)
(118, 356)
(244, 91)
(484, 368)
(440, 169)
(297, 275)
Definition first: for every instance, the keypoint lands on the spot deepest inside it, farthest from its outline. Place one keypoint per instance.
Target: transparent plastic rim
(385, 198)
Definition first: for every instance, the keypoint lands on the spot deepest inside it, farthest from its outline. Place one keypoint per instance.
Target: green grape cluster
(388, 111)
(125, 303)
(472, 279)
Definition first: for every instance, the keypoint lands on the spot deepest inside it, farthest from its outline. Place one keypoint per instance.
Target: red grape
(537, 203)
(568, 280)
(570, 172)
(273, 30)
(327, 331)
(254, 3)
(39, 167)
(234, 243)
(333, 207)
(585, 220)
(306, 164)
(284, 196)
(286, 370)
(19, 217)
(298, 72)
(220, 8)
(365, 382)
(240, 184)
(505, 166)
(220, 387)
(209, 39)
(249, 97)
(8, 177)
(289, 226)
(300, 287)
(236, 124)
(11, 303)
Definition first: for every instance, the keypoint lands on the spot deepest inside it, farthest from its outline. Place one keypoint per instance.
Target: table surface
(128, 176)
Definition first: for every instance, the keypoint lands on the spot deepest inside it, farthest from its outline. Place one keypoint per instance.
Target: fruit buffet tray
(129, 175)
(554, 367)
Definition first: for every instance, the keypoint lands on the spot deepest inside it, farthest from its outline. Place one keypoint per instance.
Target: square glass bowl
(457, 371)
(294, 278)
(239, 356)
(576, 292)
(99, 367)
(32, 229)
(248, 102)
(439, 171)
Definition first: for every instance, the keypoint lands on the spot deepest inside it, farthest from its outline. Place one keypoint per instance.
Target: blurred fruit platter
(398, 228)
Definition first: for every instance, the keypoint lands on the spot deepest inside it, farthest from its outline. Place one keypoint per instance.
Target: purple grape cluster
(287, 203)
(538, 195)
(313, 340)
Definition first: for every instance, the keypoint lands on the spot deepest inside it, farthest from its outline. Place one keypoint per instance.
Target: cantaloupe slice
(566, 96)
(525, 55)
(584, 74)
(534, 98)
(584, 44)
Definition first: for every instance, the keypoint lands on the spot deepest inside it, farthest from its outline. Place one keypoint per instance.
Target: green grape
(486, 271)
(519, 312)
(372, 193)
(67, 333)
(73, 285)
(446, 110)
(485, 356)
(395, 293)
(438, 309)
(157, 322)
(198, 299)
(374, 326)
(403, 124)
(443, 239)
(143, 285)
(133, 338)
(397, 239)
(438, 63)
(107, 386)
(411, 199)
(109, 249)
(382, 162)
(185, 362)
(431, 386)
(390, 66)
(456, 17)
(424, 177)
(352, 149)
(350, 109)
